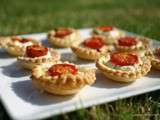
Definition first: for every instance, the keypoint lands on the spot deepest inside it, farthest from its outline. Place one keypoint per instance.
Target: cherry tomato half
(59, 69)
(36, 51)
(60, 33)
(94, 42)
(127, 41)
(124, 59)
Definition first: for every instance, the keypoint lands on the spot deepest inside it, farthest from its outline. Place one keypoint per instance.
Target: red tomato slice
(127, 41)
(22, 40)
(158, 52)
(94, 42)
(124, 59)
(105, 28)
(60, 33)
(58, 69)
(36, 51)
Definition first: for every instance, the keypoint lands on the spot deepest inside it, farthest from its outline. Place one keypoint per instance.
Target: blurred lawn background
(139, 16)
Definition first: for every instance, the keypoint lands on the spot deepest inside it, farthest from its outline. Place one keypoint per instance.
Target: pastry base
(53, 89)
(155, 64)
(145, 46)
(65, 84)
(123, 76)
(68, 41)
(84, 53)
(90, 54)
(13, 49)
(30, 63)
(27, 65)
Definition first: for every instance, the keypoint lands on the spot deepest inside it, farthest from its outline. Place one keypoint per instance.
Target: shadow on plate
(103, 82)
(72, 58)
(153, 74)
(4, 55)
(26, 91)
(45, 43)
(14, 70)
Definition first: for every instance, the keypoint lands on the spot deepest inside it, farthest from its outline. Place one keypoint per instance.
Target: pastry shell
(65, 84)
(145, 43)
(156, 64)
(120, 75)
(73, 39)
(10, 46)
(30, 63)
(155, 61)
(92, 54)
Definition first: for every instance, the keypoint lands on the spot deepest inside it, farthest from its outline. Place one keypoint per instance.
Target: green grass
(139, 16)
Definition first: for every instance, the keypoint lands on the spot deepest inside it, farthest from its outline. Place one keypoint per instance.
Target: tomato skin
(58, 69)
(127, 41)
(21, 40)
(124, 59)
(94, 43)
(61, 33)
(36, 51)
(105, 28)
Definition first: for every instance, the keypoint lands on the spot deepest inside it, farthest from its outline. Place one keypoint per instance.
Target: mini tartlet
(124, 66)
(132, 43)
(92, 48)
(155, 58)
(16, 45)
(64, 37)
(62, 78)
(110, 32)
(37, 54)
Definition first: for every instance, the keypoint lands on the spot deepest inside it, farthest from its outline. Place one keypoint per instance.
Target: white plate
(23, 101)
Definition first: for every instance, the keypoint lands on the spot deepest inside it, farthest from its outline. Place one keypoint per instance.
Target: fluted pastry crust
(30, 63)
(92, 54)
(65, 84)
(154, 60)
(73, 39)
(156, 64)
(120, 75)
(12, 48)
(143, 44)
